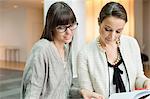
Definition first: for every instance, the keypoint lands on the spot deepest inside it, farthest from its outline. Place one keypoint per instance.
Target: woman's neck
(59, 45)
(111, 52)
(60, 48)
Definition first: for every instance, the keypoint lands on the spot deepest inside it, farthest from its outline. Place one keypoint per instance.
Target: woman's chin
(68, 41)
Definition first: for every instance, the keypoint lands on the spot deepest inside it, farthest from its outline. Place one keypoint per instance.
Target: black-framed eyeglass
(63, 28)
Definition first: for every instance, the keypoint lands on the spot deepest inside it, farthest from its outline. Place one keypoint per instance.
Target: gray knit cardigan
(46, 75)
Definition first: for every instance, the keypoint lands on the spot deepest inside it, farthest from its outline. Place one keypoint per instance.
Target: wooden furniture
(12, 53)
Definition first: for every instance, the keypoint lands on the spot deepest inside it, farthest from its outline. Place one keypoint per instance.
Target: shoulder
(129, 43)
(88, 47)
(41, 46)
(38, 55)
(39, 49)
(128, 39)
(42, 43)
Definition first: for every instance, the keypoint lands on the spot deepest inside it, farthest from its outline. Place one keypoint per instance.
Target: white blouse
(123, 76)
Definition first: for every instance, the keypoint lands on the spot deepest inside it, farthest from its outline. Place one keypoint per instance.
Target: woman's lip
(108, 39)
(67, 37)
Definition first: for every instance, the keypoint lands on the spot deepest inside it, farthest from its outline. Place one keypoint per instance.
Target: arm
(33, 78)
(84, 78)
(83, 72)
(141, 80)
(90, 95)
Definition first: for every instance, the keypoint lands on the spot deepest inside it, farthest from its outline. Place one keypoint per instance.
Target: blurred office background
(21, 25)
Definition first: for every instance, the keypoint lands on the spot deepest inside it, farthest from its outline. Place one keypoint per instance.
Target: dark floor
(10, 82)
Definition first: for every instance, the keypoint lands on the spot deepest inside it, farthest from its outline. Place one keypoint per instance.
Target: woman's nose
(68, 31)
(113, 35)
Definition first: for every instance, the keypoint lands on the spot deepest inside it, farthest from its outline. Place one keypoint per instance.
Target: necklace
(118, 54)
(117, 59)
(99, 43)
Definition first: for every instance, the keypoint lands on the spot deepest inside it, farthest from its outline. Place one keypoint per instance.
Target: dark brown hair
(59, 13)
(112, 9)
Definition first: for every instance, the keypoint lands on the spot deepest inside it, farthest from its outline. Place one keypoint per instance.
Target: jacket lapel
(126, 55)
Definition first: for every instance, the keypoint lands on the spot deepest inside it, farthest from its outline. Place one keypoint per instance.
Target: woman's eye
(106, 29)
(60, 27)
(117, 31)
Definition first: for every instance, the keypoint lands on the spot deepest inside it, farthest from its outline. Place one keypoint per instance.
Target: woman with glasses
(112, 62)
(48, 73)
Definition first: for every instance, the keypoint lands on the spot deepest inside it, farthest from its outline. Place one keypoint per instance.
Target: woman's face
(110, 29)
(64, 33)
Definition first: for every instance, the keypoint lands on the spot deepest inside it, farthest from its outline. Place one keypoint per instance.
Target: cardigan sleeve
(140, 77)
(33, 78)
(83, 72)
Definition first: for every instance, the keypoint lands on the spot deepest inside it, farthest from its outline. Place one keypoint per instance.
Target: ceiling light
(15, 6)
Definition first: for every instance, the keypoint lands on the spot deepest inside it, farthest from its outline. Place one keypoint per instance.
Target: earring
(118, 42)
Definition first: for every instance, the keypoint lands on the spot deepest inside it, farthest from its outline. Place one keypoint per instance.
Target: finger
(100, 97)
(85, 97)
(97, 96)
(147, 84)
(147, 87)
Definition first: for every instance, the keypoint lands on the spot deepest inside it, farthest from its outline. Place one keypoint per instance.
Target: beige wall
(139, 22)
(23, 26)
(20, 27)
(93, 9)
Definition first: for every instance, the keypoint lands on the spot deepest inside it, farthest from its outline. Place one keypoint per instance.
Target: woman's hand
(90, 95)
(147, 84)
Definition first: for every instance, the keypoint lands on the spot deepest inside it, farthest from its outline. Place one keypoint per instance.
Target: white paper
(131, 95)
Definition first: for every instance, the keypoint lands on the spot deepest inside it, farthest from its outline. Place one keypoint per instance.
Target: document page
(131, 95)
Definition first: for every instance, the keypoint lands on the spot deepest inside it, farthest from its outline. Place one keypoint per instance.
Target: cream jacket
(93, 68)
